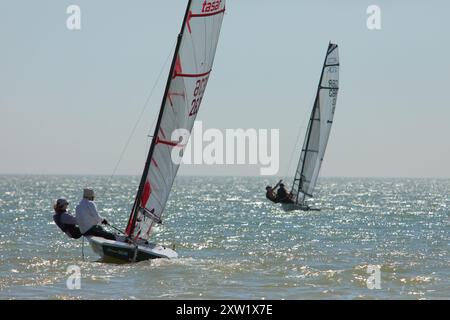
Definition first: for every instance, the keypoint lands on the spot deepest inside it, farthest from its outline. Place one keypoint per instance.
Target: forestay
(319, 128)
(190, 71)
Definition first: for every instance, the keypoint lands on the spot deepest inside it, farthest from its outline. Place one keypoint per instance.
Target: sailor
(270, 192)
(88, 218)
(283, 195)
(64, 220)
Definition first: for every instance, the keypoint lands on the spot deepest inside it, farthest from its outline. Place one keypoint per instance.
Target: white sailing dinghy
(317, 133)
(189, 73)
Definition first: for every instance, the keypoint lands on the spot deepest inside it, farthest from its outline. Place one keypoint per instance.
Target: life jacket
(72, 231)
(57, 219)
(271, 196)
(281, 194)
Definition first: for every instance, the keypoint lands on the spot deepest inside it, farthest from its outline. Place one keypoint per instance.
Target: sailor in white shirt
(88, 218)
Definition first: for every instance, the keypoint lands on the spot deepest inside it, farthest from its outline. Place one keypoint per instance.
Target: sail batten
(188, 77)
(319, 127)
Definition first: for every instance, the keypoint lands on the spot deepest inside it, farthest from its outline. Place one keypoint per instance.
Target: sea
(383, 238)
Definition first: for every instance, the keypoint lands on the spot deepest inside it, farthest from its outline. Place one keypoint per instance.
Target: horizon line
(219, 176)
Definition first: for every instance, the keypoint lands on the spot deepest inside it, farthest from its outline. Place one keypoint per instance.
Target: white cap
(88, 193)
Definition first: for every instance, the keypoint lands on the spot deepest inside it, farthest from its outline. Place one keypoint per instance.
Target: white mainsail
(190, 71)
(319, 128)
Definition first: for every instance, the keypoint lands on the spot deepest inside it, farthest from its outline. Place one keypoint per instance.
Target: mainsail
(319, 128)
(190, 70)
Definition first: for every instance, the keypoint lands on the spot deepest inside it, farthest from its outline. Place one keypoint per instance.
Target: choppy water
(233, 244)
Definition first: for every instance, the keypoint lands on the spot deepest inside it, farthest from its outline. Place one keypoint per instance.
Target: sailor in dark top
(65, 221)
(270, 192)
(283, 196)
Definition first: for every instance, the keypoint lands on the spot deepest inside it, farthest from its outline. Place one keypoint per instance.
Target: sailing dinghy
(317, 133)
(189, 73)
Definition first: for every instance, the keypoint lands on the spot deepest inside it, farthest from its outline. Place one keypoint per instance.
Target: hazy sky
(69, 99)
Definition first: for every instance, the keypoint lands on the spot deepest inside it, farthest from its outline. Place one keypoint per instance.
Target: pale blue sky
(69, 99)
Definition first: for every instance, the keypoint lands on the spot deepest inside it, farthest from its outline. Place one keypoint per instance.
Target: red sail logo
(211, 6)
(146, 194)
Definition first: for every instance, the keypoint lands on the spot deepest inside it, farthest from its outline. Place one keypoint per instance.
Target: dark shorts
(98, 231)
(72, 231)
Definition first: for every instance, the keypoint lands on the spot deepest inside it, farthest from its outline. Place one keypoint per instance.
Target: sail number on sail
(333, 84)
(198, 95)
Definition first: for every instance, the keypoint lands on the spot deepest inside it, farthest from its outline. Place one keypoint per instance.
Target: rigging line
(294, 149)
(140, 115)
(296, 143)
(132, 221)
(82, 247)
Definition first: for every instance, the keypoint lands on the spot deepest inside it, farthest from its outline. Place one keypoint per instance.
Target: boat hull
(118, 251)
(297, 207)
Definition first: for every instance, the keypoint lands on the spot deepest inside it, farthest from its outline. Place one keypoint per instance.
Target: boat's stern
(96, 245)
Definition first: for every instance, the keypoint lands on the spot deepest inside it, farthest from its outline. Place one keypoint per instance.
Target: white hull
(125, 252)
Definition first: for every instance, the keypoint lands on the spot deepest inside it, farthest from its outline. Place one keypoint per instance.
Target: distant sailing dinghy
(190, 70)
(317, 134)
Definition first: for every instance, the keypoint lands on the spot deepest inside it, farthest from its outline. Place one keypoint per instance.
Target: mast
(315, 116)
(188, 77)
(133, 215)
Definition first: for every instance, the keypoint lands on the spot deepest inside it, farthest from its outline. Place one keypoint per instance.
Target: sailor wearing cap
(270, 192)
(64, 220)
(283, 195)
(88, 218)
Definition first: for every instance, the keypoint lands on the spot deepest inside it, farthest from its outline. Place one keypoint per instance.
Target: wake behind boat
(189, 73)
